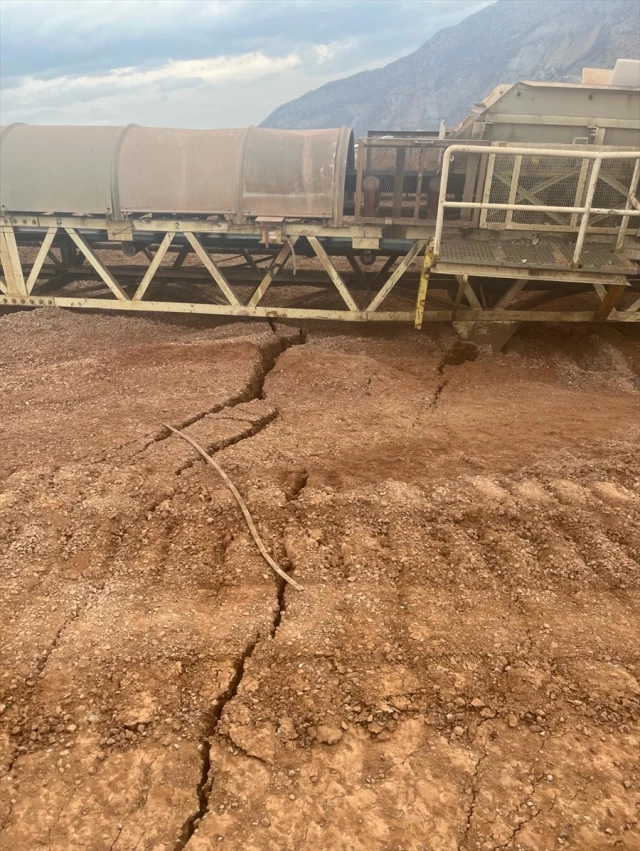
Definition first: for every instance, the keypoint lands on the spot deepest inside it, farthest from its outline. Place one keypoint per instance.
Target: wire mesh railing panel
(612, 191)
(500, 179)
(557, 189)
(538, 181)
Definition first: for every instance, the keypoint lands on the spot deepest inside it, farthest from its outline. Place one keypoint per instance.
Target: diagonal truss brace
(465, 290)
(333, 273)
(40, 258)
(102, 270)
(613, 295)
(153, 266)
(211, 267)
(398, 272)
(512, 292)
(463, 283)
(11, 264)
(265, 283)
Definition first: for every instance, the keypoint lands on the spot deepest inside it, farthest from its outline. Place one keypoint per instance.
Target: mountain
(508, 41)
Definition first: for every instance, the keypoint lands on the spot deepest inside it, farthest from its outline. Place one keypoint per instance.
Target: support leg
(11, 265)
(423, 287)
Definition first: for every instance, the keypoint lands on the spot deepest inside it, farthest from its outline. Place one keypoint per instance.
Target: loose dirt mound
(461, 670)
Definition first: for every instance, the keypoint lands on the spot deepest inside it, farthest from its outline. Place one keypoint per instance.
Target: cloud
(251, 65)
(195, 62)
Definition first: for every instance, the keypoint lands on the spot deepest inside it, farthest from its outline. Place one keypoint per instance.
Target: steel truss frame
(43, 282)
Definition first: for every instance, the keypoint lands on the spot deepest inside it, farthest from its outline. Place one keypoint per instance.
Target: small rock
(328, 734)
(477, 703)
(287, 729)
(260, 742)
(375, 728)
(512, 720)
(459, 731)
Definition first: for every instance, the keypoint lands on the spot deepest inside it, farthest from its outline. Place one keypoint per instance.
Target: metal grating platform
(547, 255)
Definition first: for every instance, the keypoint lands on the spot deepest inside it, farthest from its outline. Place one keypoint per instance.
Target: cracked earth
(461, 670)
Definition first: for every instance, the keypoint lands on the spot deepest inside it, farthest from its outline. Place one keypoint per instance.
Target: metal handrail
(587, 210)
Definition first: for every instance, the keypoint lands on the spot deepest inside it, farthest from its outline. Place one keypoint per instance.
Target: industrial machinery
(527, 211)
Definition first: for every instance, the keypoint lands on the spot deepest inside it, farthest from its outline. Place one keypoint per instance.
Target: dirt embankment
(461, 668)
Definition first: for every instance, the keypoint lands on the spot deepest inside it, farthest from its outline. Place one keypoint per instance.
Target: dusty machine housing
(530, 202)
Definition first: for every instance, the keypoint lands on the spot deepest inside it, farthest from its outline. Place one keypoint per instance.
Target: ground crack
(442, 383)
(472, 804)
(212, 720)
(269, 358)
(531, 812)
(268, 355)
(459, 353)
(213, 717)
(299, 482)
(254, 429)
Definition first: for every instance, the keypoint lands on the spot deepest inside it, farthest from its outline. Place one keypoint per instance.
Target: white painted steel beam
(281, 258)
(11, 263)
(333, 273)
(100, 268)
(302, 313)
(156, 260)
(514, 290)
(211, 267)
(40, 258)
(564, 276)
(397, 273)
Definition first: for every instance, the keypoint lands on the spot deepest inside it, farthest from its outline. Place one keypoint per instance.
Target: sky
(195, 63)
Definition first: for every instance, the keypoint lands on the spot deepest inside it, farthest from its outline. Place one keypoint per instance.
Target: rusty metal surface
(240, 173)
(297, 173)
(179, 171)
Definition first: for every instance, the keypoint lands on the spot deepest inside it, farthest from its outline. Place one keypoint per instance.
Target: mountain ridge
(502, 43)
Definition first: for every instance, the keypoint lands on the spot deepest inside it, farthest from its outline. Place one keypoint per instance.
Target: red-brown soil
(461, 671)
